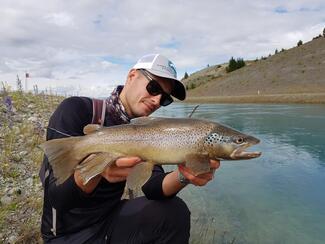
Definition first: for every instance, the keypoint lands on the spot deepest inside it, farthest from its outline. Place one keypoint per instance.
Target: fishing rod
(190, 115)
(60, 132)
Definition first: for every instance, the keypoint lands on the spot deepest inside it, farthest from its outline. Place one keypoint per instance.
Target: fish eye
(240, 140)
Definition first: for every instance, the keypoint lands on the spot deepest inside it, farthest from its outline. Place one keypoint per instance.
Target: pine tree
(240, 63)
(185, 76)
(299, 43)
(233, 64)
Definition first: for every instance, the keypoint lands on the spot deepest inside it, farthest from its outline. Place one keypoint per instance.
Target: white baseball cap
(161, 66)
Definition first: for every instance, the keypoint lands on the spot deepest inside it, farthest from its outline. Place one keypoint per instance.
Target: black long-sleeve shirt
(76, 210)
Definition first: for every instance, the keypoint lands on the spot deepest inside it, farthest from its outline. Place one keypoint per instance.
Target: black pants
(138, 221)
(146, 221)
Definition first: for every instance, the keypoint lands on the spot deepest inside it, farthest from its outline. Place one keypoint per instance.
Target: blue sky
(87, 47)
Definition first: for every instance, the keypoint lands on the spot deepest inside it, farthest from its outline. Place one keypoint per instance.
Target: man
(95, 213)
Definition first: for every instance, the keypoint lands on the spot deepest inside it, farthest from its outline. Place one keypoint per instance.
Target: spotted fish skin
(154, 140)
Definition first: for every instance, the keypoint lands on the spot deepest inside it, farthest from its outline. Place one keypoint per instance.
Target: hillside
(299, 70)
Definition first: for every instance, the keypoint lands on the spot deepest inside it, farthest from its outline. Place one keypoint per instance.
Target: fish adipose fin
(198, 163)
(95, 164)
(138, 177)
(91, 128)
(61, 157)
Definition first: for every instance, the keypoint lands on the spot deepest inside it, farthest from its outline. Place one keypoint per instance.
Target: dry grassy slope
(297, 70)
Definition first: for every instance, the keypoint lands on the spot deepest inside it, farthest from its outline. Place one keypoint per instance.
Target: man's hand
(202, 179)
(121, 169)
(117, 172)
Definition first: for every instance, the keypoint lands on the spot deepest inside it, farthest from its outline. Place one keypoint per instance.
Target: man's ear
(131, 76)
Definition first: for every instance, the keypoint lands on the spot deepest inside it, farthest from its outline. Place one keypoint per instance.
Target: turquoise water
(277, 198)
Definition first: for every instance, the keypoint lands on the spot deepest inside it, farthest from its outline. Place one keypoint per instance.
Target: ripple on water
(277, 198)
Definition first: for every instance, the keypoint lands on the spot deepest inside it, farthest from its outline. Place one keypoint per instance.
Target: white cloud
(60, 19)
(94, 43)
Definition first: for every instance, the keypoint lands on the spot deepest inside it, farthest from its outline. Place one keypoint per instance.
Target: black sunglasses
(154, 89)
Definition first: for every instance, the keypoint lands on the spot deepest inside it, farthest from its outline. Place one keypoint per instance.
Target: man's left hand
(201, 179)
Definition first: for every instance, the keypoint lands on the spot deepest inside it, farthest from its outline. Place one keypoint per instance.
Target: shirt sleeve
(153, 187)
(69, 118)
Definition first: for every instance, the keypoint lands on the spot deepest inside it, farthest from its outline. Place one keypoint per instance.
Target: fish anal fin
(198, 163)
(91, 128)
(95, 164)
(138, 177)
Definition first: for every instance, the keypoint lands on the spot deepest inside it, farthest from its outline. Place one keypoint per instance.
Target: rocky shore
(23, 123)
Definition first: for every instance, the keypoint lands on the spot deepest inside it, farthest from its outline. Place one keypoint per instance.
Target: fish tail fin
(61, 157)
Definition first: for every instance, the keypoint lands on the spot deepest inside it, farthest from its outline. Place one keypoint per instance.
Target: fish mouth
(239, 153)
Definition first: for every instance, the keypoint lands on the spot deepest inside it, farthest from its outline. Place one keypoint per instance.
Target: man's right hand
(122, 167)
(116, 172)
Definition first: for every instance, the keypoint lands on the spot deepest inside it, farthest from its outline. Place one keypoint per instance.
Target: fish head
(226, 143)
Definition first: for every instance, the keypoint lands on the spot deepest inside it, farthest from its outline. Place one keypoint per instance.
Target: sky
(87, 47)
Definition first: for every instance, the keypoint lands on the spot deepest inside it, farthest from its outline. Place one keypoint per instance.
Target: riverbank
(302, 98)
(23, 120)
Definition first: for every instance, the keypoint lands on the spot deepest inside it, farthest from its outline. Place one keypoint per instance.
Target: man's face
(138, 101)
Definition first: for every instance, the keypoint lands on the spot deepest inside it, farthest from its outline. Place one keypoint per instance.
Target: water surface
(277, 198)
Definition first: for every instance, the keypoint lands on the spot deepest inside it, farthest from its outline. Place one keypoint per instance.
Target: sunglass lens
(166, 100)
(153, 88)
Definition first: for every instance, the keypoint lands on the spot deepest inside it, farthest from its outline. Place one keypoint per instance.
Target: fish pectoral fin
(95, 164)
(139, 176)
(198, 163)
(91, 128)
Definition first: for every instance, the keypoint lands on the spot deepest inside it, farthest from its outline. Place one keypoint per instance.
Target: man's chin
(144, 113)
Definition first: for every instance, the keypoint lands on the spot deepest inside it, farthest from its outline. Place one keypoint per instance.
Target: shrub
(192, 86)
(235, 64)
(316, 37)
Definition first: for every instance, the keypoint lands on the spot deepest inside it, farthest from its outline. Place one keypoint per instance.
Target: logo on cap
(172, 68)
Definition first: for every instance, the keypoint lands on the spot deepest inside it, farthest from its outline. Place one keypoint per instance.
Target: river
(277, 198)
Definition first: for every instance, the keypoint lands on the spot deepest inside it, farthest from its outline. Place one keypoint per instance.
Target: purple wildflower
(8, 103)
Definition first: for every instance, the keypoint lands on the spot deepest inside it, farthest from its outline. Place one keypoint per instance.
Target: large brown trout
(155, 140)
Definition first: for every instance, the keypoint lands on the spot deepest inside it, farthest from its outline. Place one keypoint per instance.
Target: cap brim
(179, 90)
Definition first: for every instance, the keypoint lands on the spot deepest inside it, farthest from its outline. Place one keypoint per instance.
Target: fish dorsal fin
(91, 128)
(144, 120)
